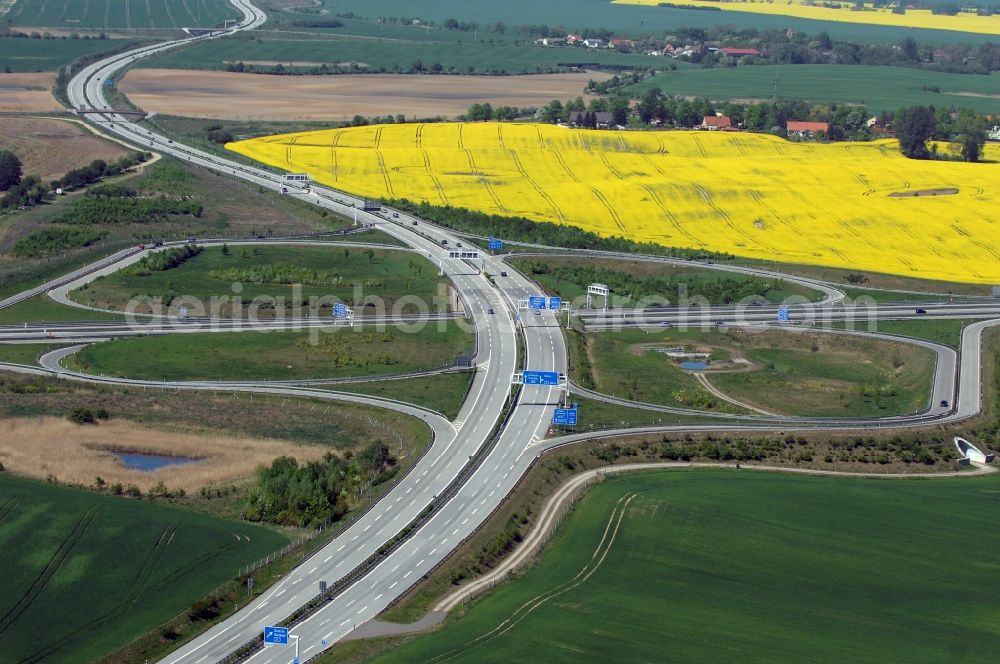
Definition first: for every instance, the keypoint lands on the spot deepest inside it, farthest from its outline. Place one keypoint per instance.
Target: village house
(716, 123)
(603, 120)
(806, 129)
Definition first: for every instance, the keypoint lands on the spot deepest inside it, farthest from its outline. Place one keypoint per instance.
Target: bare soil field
(27, 93)
(49, 147)
(233, 96)
(73, 453)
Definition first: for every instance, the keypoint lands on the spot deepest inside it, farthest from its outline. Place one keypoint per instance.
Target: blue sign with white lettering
(783, 314)
(277, 636)
(340, 311)
(540, 377)
(564, 416)
(536, 302)
(555, 303)
(495, 244)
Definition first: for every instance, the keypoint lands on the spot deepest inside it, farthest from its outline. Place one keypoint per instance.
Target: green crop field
(633, 281)
(391, 55)
(326, 353)
(350, 274)
(121, 14)
(878, 88)
(713, 566)
(30, 55)
(85, 574)
(631, 21)
(795, 374)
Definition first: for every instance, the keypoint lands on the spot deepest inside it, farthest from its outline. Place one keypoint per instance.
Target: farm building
(731, 52)
(599, 120)
(797, 128)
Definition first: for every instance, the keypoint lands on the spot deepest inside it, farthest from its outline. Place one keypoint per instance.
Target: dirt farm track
(224, 95)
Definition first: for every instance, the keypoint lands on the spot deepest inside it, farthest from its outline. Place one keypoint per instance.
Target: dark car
(944, 403)
(921, 311)
(491, 311)
(444, 242)
(192, 240)
(395, 215)
(503, 274)
(414, 223)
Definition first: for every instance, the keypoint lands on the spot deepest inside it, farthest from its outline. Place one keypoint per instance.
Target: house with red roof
(799, 128)
(716, 123)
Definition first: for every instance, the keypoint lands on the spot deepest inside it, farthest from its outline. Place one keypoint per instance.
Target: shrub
(82, 415)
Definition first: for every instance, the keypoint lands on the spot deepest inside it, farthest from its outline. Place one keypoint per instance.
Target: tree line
(965, 130)
(161, 261)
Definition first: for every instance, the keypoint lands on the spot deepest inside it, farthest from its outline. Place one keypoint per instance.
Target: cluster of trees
(97, 169)
(319, 491)
(161, 261)
(541, 232)
(717, 290)
(104, 209)
(484, 112)
(52, 241)
(283, 273)
(916, 125)
(10, 170)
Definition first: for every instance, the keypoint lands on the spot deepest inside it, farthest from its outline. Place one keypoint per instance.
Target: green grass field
(350, 274)
(43, 309)
(85, 574)
(125, 14)
(712, 566)
(794, 374)
(24, 353)
(280, 355)
(628, 20)
(30, 55)
(631, 281)
(947, 332)
(878, 88)
(443, 393)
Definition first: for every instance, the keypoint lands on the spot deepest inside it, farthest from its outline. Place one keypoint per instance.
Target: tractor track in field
(485, 181)
(597, 194)
(538, 189)
(589, 569)
(51, 567)
(136, 591)
(671, 216)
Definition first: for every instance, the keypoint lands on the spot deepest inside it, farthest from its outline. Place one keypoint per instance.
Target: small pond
(151, 462)
(694, 366)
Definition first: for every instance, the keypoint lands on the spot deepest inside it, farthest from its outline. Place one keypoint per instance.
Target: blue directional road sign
(555, 303)
(277, 636)
(540, 377)
(340, 311)
(783, 314)
(536, 302)
(495, 244)
(564, 416)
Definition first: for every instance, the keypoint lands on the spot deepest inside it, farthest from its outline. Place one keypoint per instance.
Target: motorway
(518, 440)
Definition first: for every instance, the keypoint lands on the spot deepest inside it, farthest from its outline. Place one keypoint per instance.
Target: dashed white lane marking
(394, 584)
(312, 570)
(296, 581)
(283, 591)
(341, 547)
(421, 562)
(362, 609)
(408, 573)
(327, 559)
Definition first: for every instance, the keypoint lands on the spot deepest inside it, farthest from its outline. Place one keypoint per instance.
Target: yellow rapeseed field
(913, 18)
(752, 195)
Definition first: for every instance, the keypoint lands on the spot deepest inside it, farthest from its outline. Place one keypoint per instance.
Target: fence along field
(121, 14)
(752, 195)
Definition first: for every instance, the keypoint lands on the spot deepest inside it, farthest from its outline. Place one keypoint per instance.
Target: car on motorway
(503, 274)
(395, 215)
(444, 242)
(458, 244)
(491, 311)
(191, 240)
(664, 324)
(944, 403)
(537, 312)
(921, 311)
(158, 243)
